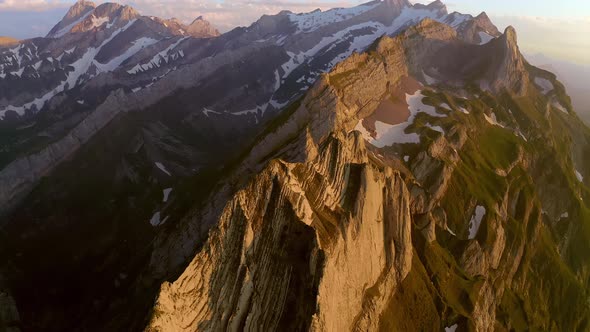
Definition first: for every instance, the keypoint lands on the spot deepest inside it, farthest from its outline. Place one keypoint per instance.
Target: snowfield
(163, 168)
(475, 222)
(387, 135)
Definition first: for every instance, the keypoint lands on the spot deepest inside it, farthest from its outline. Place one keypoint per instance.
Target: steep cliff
(297, 233)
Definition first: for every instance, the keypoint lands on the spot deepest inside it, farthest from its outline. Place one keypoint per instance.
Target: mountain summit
(201, 28)
(80, 10)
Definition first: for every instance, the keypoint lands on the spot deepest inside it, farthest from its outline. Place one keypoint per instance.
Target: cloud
(31, 5)
(557, 37)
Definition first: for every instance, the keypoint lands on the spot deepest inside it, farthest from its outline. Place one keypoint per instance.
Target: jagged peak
(509, 40)
(202, 28)
(79, 8)
(433, 6)
(512, 72)
(74, 14)
(510, 35)
(483, 15)
(437, 4)
(200, 18)
(112, 9)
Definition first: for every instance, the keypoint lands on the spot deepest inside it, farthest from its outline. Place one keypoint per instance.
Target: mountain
(140, 56)
(384, 167)
(355, 229)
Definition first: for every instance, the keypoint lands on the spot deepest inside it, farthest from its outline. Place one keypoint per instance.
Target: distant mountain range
(7, 41)
(386, 167)
(574, 77)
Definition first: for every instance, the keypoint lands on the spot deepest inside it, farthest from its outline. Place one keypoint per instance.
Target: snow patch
(579, 176)
(277, 80)
(475, 222)
(519, 133)
(98, 21)
(156, 220)
(206, 111)
(163, 168)
(135, 47)
(436, 128)
(166, 192)
(429, 79)
(451, 328)
(446, 106)
(455, 19)
(387, 135)
(560, 107)
(450, 231)
(164, 56)
(544, 84)
(493, 120)
(484, 37)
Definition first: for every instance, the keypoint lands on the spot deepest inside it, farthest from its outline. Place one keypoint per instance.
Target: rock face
(288, 247)
(79, 10)
(512, 72)
(479, 30)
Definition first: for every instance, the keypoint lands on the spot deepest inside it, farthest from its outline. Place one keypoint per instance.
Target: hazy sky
(557, 28)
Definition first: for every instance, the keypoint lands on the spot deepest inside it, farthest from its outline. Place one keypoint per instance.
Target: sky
(556, 28)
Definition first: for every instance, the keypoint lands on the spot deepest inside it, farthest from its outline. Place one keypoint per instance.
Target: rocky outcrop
(511, 72)
(478, 30)
(287, 250)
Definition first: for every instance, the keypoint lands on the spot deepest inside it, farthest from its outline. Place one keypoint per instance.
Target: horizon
(558, 32)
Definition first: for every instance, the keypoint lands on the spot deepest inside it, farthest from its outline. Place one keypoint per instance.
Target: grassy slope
(550, 290)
